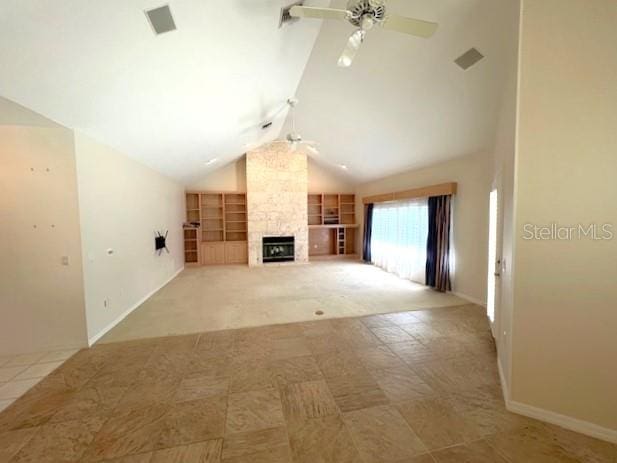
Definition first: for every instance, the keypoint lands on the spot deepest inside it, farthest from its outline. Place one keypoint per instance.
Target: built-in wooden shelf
(221, 227)
(332, 227)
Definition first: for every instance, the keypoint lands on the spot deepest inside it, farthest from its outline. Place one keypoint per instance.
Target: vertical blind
(398, 238)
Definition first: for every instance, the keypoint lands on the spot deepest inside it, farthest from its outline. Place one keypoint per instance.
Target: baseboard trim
(504, 385)
(469, 298)
(567, 422)
(122, 316)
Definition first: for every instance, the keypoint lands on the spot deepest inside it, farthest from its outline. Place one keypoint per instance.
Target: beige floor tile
(9, 373)
(528, 446)
(437, 423)
(15, 389)
(334, 364)
(422, 331)
(325, 440)
(302, 401)
(475, 452)
(150, 393)
(199, 387)
(411, 352)
(252, 376)
(426, 458)
(401, 384)
(327, 342)
(392, 334)
(379, 357)
(193, 421)
(255, 300)
(88, 401)
(378, 321)
(59, 441)
(12, 442)
(381, 435)
(24, 359)
(584, 448)
(274, 455)
(403, 318)
(139, 458)
(261, 395)
(5, 403)
(249, 443)
(58, 356)
(295, 370)
(253, 411)
(38, 370)
(356, 391)
(200, 452)
(128, 432)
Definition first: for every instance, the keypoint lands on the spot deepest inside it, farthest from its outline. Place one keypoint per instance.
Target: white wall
(122, 204)
(564, 346)
(322, 179)
(232, 177)
(229, 177)
(469, 219)
(41, 300)
(503, 181)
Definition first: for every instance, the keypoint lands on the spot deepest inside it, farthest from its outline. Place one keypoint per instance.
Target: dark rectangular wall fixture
(468, 59)
(161, 19)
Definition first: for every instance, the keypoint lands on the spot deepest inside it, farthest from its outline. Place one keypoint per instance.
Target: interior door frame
(494, 263)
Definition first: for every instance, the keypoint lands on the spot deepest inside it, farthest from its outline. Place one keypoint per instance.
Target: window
(398, 240)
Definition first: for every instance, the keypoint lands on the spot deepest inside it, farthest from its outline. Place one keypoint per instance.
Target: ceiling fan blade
(352, 47)
(318, 13)
(410, 26)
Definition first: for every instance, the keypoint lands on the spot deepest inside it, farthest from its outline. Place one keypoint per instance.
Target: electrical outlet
(106, 303)
(65, 260)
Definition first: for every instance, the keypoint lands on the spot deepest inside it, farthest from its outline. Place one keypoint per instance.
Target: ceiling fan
(365, 14)
(293, 138)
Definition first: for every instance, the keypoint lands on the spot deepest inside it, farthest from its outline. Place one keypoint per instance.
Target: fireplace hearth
(278, 249)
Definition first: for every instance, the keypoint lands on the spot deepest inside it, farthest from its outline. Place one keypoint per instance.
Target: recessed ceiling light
(343, 166)
(211, 161)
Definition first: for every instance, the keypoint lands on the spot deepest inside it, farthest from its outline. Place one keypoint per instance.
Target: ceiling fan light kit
(365, 14)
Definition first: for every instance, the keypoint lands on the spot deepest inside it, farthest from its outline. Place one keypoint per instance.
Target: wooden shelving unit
(235, 217)
(191, 245)
(221, 219)
(315, 209)
(332, 224)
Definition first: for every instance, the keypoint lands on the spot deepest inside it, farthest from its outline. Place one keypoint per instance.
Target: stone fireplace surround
(277, 188)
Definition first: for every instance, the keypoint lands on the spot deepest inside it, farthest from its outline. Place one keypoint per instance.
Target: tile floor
(214, 298)
(411, 387)
(18, 373)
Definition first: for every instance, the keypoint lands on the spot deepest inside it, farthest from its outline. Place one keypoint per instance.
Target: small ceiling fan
(293, 138)
(365, 14)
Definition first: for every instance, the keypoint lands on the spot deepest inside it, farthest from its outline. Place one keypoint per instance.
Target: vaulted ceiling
(172, 101)
(404, 103)
(177, 100)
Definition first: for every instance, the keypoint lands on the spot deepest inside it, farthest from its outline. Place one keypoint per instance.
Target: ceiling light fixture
(211, 161)
(343, 166)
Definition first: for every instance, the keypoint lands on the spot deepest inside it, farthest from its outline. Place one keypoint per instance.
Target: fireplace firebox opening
(278, 249)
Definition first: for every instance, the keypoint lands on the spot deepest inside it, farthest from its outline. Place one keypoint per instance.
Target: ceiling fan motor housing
(375, 9)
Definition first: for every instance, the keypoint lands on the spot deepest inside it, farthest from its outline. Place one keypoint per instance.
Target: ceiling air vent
(469, 58)
(161, 20)
(286, 18)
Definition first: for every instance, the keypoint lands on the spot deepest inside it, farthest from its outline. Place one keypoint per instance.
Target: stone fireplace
(276, 184)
